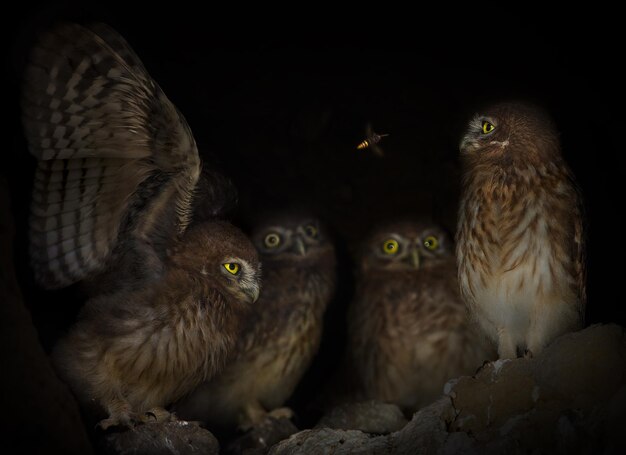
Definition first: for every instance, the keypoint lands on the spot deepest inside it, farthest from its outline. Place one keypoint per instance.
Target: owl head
(291, 237)
(406, 246)
(221, 255)
(510, 131)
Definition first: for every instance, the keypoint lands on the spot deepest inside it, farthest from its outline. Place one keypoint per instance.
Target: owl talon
(528, 354)
(127, 420)
(482, 367)
(158, 415)
(281, 413)
(259, 417)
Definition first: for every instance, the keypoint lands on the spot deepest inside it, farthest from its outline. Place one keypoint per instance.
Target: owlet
(520, 242)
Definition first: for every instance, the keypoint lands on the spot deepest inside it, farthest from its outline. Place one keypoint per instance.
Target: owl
(117, 186)
(134, 351)
(408, 328)
(282, 333)
(520, 240)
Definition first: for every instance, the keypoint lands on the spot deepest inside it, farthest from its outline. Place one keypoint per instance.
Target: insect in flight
(371, 141)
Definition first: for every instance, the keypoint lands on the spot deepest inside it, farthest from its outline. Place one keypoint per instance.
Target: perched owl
(281, 335)
(135, 351)
(520, 242)
(117, 184)
(408, 329)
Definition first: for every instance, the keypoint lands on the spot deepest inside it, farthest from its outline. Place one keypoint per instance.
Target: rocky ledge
(569, 399)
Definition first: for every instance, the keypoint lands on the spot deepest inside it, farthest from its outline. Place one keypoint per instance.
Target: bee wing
(377, 150)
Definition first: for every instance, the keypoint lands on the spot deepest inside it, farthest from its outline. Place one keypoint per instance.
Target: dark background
(282, 103)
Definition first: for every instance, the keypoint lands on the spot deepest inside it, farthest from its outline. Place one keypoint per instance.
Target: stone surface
(569, 399)
(551, 402)
(327, 440)
(369, 417)
(427, 430)
(583, 368)
(170, 438)
(261, 438)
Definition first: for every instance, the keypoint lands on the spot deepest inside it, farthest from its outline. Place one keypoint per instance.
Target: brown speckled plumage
(520, 241)
(118, 172)
(409, 331)
(135, 350)
(281, 335)
(118, 181)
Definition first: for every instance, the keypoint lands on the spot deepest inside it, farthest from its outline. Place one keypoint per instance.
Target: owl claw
(260, 417)
(158, 415)
(127, 420)
(485, 363)
(281, 413)
(528, 354)
(130, 419)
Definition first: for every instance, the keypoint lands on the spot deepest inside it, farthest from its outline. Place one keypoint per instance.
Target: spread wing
(115, 157)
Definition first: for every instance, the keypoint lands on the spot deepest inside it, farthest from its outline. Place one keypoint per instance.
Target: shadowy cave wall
(281, 111)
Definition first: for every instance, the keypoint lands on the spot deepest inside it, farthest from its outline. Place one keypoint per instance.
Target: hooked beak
(467, 144)
(415, 259)
(253, 294)
(300, 247)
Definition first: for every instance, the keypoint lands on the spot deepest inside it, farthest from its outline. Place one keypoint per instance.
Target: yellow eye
(272, 240)
(488, 127)
(232, 267)
(310, 230)
(390, 246)
(431, 243)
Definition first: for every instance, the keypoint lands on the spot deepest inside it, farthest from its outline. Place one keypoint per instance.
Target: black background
(281, 104)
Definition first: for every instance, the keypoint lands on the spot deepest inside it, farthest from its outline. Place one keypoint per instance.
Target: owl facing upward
(281, 335)
(118, 185)
(520, 241)
(408, 329)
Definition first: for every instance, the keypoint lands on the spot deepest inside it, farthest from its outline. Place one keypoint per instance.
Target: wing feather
(101, 128)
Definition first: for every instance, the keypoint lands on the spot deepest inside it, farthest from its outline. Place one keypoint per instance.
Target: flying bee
(371, 141)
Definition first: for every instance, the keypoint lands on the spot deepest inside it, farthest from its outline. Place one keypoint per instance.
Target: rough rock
(548, 402)
(427, 430)
(261, 438)
(170, 438)
(571, 398)
(39, 413)
(370, 417)
(327, 440)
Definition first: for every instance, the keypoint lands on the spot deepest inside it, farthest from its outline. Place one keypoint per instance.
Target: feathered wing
(580, 250)
(115, 157)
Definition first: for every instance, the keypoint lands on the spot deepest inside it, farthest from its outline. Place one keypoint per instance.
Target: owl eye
(390, 246)
(232, 267)
(431, 243)
(310, 230)
(272, 240)
(487, 127)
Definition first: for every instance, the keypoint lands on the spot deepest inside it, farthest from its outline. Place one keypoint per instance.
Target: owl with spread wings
(122, 205)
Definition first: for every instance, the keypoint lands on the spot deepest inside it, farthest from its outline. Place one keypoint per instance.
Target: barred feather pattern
(520, 238)
(137, 349)
(279, 340)
(100, 128)
(408, 328)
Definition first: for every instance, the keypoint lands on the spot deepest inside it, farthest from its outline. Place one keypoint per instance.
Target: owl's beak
(300, 247)
(467, 144)
(253, 293)
(415, 259)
